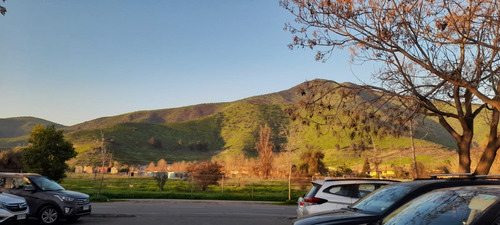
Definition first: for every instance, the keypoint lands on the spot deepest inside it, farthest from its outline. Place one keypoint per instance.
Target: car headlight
(64, 198)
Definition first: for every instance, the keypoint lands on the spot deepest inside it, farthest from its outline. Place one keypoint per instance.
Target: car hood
(9, 198)
(342, 216)
(72, 194)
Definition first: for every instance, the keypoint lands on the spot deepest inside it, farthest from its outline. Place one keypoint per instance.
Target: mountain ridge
(203, 131)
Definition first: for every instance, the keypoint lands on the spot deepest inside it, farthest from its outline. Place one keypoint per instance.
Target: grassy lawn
(124, 187)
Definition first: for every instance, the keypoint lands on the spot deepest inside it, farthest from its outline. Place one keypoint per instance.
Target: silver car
(12, 208)
(331, 194)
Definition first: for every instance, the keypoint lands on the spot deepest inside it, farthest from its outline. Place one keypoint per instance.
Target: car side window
(3, 183)
(7, 183)
(365, 189)
(19, 183)
(342, 190)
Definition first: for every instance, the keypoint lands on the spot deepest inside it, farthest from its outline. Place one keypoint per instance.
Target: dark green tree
(11, 160)
(48, 152)
(312, 162)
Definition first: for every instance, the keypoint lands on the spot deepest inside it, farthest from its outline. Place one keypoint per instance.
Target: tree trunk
(464, 154)
(489, 154)
(463, 141)
(487, 159)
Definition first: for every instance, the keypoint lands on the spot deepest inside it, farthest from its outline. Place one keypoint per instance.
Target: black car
(47, 200)
(374, 207)
(472, 205)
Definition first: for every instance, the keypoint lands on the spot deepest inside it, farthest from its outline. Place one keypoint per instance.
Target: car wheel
(48, 215)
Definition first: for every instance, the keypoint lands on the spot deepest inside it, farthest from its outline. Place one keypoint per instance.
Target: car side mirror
(29, 188)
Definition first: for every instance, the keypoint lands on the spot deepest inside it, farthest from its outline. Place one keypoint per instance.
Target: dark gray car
(48, 201)
(373, 208)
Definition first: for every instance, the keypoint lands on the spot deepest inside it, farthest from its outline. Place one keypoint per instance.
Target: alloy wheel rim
(49, 215)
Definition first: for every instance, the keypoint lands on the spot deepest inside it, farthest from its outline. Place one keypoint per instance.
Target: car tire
(48, 215)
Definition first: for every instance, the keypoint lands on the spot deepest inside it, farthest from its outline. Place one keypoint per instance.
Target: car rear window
(342, 190)
(379, 201)
(313, 191)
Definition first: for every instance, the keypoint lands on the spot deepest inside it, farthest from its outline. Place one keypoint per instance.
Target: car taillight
(313, 201)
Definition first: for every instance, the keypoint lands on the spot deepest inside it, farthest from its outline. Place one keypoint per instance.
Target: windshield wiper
(352, 208)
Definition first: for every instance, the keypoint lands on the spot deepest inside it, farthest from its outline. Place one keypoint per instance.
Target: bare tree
(443, 54)
(265, 149)
(105, 159)
(205, 173)
(292, 139)
(161, 178)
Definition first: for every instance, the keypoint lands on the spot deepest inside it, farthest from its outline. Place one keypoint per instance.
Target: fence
(195, 187)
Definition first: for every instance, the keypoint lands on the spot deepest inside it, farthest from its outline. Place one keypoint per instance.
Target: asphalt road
(186, 212)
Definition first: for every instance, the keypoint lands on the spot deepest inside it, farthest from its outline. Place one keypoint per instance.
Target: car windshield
(444, 207)
(46, 184)
(379, 201)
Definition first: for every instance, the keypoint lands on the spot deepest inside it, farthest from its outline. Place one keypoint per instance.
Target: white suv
(12, 208)
(331, 194)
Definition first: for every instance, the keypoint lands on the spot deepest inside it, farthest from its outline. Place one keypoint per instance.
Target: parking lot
(184, 212)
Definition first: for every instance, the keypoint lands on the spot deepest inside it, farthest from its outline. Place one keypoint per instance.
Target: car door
(20, 186)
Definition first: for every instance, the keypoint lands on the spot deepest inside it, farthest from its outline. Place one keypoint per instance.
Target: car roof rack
(464, 175)
(448, 175)
(497, 176)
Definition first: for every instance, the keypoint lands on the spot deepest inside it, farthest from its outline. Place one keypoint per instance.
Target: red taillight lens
(314, 200)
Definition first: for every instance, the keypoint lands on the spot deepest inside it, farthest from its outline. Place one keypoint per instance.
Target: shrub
(205, 173)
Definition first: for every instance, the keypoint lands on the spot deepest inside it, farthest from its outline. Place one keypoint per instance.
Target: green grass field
(124, 187)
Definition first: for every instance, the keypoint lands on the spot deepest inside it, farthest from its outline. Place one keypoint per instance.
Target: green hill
(221, 130)
(229, 132)
(15, 131)
(164, 116)
(21, 126)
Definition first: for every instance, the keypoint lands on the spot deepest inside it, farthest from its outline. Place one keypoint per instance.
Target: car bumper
(7, 216)
(76, 210)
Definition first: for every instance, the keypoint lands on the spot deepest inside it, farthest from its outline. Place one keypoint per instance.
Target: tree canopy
(434, 54)
(3, 10)
(48, 152)
(205, 173)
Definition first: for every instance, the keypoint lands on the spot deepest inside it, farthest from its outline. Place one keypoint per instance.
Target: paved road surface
(186, 212)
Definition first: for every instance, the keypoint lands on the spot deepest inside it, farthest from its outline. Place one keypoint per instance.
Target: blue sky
(71, 61)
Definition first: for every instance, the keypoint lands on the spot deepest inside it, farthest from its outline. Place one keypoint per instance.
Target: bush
(205, 173)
